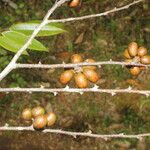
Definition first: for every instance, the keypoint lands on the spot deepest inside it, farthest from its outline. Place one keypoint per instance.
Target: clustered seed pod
(81, 75)
(51, 118)
(27, 114)
(37, 111)
(66, 76)
(76, 58)
(81, 80)
(136, 54)
(74, 3)
(40, 119)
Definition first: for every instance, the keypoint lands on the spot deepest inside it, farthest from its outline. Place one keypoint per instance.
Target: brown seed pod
(142, 51)
(40, 122)
(91, 75)
(66, 76)
(74, 3)
(126, 54)
(145, 59)
(76, 58)
(81, 80)
(90, 60)
(135, 70)
(37, 111)
(133, 49)
(26, 114)
(51, 118)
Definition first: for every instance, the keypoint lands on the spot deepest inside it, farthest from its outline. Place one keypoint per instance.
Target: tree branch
(63, 65)
(95, 89)
(96, 15)
(75, 134)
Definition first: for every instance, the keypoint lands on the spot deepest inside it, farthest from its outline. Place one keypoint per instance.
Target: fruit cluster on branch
(81, 74)
(136, 54)
(39, 117)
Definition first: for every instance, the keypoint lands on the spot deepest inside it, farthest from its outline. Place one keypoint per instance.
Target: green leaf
(9, 45)
(48, 30)
(13, 41)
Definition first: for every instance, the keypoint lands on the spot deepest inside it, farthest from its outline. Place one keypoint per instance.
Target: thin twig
(96, 15)
(75, 134)
(63, 65)
(11, 65)
(76, 90)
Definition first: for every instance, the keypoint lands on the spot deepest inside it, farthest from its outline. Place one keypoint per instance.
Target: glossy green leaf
(48, 30)
(13, 41)
(10, 45)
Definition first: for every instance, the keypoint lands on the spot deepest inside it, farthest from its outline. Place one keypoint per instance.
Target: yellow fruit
(90, 61)
(51, 118)
(133, 49)
(40, 122)
(66, 76)
(145, 59)
(126, 54)
(76, 58)
(74, 3)
(135, 71)
(81, 80)
(142, 51)
(91, 75)
(27, 114)
(37, 111)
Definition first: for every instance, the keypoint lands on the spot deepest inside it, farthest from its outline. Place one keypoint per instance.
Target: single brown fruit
(145, 59)
(133, 49)
(126, 54)
(51, 118)
(76, 58)
(91, 75)
(135, 71)
(66, 76)
(27, 114)
(90, 60)
(74, 3)
(142, 51)
(40, 122)
(37, 111)
(81, 80)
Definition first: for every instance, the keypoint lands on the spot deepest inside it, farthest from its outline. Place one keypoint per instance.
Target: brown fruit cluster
(136, 54)
(74, 3)
(39, 117)
(81, 74)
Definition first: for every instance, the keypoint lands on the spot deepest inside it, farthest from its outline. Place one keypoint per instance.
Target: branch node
(129, 88)
(42, 86)
(55, 93)
(113, 93)
(81, 93)
(95, 88)
(66, 88)
(147, 95)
